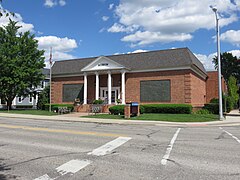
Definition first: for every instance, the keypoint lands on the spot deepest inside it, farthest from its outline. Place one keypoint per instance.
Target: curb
(58, 118)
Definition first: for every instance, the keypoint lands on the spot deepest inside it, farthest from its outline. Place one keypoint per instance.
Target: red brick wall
(176, 78)
(186, 87)
(57, 87)
(198, 90)
(212, 86)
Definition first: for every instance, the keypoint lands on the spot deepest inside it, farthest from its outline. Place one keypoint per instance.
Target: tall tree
(230, 65)
(20, 63)
(232, 92)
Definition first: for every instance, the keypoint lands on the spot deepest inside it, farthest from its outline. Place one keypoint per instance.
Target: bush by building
(54, 107)
(156, 108)
(168, 108)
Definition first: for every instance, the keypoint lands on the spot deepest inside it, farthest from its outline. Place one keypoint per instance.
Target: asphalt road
(38, 149)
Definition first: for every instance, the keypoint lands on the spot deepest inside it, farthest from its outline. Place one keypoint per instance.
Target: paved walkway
(231, 119)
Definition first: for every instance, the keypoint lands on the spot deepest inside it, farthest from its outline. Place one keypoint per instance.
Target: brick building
(164, 76)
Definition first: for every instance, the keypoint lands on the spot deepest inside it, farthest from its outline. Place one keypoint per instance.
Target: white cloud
(61, 47)
(235, 53)
(206, 60)
(169, 18)
(120, 28)
(52, 3)
(59, 44)
(18, 18)
(143, 38)
(62, 2)
(232, 37)
(137, 51)
(111, 6)
(102, 30)
(105, 18)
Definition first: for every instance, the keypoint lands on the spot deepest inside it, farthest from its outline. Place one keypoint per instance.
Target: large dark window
(72, 91)
(155, 91)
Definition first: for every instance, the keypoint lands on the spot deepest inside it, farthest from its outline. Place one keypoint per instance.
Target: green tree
(230, 66)
(20, 63)
(43, 98)
(232, 92)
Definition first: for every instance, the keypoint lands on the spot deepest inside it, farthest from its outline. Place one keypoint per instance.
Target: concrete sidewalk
(76, 117)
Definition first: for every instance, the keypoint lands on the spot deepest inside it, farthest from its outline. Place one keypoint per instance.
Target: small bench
(96, 108)
(63, 110)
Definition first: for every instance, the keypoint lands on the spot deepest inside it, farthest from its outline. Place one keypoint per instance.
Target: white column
(85, 89)
(123, 87)
(109, 88)
(97, 86)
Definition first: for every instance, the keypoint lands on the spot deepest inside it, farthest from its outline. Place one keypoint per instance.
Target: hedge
(168, 108)
(156, 108)
(212, 107)
(119, 109)
(116, 110)
(54, 107)
(99, 101)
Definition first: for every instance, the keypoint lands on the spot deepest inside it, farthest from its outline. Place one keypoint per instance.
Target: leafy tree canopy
(230, 65)
(21, 63)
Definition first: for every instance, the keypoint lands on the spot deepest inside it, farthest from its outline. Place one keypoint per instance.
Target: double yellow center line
(66, 131)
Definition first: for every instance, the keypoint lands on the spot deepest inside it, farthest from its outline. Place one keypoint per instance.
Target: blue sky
(85, 28)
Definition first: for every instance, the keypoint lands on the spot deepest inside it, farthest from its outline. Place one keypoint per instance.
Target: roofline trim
(196, 70)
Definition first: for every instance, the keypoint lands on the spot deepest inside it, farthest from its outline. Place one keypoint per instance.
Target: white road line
(44, 177)
(234, 137)
(169, 149)
(71, 167)
(101, 151)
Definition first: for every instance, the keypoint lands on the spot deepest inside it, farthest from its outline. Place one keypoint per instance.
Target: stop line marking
(169, 149)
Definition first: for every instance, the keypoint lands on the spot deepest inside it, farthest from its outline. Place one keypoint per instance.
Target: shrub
(54, 107)
(203, 111)
(215, 110)
(142, 110)
(168, 108)
(212, 107)
(43, 98)
(99, 101)
(116, 110)
(119, 109)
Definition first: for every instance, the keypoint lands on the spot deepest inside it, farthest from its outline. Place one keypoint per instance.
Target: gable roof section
(102, 63)
(162, 59)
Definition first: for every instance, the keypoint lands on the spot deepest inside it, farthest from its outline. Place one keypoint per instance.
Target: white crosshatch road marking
(76, 165)
(106, 148)
(44, 177)
(169, 149)
(234, 137)
(70, 167)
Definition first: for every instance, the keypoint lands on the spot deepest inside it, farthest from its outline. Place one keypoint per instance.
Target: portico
(105, 66)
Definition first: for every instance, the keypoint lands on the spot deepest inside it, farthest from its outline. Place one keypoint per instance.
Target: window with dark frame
(155, 91)
(72, 92)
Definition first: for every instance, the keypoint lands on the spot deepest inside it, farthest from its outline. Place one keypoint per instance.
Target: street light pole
(219, 64)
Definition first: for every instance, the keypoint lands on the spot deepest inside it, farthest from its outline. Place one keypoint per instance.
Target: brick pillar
(127, 111)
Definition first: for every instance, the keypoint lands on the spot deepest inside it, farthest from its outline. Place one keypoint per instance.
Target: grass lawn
(30, 112)
(164, 117)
